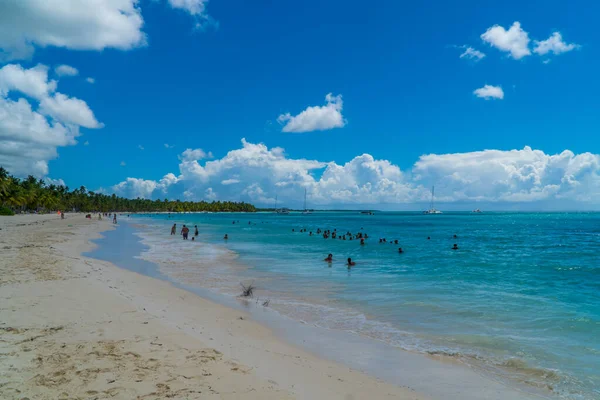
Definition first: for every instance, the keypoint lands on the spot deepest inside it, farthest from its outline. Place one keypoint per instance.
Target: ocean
(519, 299)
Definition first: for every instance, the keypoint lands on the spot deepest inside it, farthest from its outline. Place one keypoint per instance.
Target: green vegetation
(33, 194)
(6, 211)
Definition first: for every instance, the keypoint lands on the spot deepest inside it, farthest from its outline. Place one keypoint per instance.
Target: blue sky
(406, 93)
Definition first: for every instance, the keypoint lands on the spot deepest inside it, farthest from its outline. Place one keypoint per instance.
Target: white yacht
(432, 209)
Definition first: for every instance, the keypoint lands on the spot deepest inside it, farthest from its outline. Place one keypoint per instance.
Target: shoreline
(367, 354)
(84, 327)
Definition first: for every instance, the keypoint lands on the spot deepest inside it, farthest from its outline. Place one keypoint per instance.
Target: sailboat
(432, 209)
(280, 210)
(306, 211)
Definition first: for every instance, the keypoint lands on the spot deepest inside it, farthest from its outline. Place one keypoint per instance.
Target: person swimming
(428, 237)
(184, 231)
(329, 258)
(455, 247)
(225, 237)
(396, 241)
(455, 237)
(350, 263)
(400, 250)
(362, 242)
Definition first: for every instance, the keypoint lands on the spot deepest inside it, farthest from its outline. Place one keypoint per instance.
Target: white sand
(76, 328)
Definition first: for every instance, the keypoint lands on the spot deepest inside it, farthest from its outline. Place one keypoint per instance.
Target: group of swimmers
(326, 235)
(185, 231)
(349, 262)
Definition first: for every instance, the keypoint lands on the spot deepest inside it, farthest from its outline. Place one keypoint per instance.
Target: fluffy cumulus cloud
(66, 70)
(514, 40)
(317, 118)
(554, 44)
(30, 135)
(470, 53)
(90, 80)
(511, 176)
(79, 25)
(32, 82)
(258, 174)
(489, 92)
(143, 188)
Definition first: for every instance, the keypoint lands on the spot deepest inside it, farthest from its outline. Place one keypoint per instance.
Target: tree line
(32, 194)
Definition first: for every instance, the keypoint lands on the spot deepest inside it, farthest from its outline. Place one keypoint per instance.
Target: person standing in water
(184, 231)
(350, 263)
(196, 231)
(115, 218)
(329, 258)
(173, 229)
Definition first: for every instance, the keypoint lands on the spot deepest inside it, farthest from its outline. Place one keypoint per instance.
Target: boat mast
(304, 199)
(432, 195)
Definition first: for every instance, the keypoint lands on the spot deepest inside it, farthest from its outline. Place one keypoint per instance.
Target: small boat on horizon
(477, 211)
(432, 209)
(306, 210)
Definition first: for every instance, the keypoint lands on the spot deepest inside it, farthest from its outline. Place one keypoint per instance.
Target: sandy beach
(76, 328)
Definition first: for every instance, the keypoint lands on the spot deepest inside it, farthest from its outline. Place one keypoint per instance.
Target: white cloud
(86, 143)
(28, 139)
(69, 110)
(554, 44)
(66, 70)
(317, 118)
(471, 54)
(32, 82)
(194, 7)
(90, 80)
(55, 182)
(134, 188)
(546, 62)
(514, 40)
(122, 164)
(489, 92)
(140, 147)
(257, 174)
(192, 155)
(77, 25)
(511, 176)
(169, 146)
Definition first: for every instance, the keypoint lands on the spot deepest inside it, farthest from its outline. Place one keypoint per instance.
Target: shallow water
(519, 299)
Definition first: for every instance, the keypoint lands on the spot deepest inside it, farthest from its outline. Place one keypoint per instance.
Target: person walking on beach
(184, 231)
(173, 229)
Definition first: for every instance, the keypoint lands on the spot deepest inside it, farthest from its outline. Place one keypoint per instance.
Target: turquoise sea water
(520, 299)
